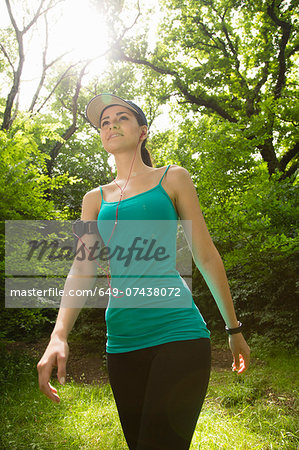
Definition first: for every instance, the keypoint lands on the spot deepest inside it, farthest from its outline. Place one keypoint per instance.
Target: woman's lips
(114, 135)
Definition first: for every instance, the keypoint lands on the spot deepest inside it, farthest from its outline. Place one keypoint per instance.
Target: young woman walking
(158, 346)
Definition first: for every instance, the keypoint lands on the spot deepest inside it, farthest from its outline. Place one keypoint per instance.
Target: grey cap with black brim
(99, 103)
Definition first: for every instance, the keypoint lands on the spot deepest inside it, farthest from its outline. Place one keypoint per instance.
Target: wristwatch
(234, 330)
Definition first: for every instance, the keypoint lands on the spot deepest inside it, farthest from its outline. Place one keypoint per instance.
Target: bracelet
(234, 330)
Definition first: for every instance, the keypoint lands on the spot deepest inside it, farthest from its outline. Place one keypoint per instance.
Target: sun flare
(77, 32)
(81, 29)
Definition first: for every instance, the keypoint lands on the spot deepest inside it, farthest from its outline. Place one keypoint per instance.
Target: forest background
(218, 82)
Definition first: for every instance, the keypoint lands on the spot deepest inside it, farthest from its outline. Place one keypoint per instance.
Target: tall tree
(17, 68)
(235, 60)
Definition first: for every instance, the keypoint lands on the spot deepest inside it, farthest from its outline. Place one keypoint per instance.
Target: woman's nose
(114, 123)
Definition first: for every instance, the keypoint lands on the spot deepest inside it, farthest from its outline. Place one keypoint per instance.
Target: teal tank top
(152, 303)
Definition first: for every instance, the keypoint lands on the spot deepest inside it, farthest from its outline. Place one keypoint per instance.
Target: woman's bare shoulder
(92, 194)
(177, 175)
(178, 170)
(91, 204)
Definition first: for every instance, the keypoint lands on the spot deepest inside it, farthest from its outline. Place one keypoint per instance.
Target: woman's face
(119, 129)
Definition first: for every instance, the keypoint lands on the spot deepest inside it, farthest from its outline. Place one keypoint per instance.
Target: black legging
(159, 392)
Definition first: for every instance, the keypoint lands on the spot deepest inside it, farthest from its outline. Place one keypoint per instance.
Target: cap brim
(97, 105)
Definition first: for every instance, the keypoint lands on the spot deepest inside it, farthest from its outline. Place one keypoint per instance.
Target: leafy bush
(25, 323)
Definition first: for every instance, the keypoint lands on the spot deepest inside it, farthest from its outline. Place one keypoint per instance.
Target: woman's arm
(81, 276)
(207, 259)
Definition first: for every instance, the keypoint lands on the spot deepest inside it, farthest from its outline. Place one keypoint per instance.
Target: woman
(158, 350)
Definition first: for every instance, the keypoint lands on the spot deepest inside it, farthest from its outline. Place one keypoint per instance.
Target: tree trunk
(7, 117)
(268, 154)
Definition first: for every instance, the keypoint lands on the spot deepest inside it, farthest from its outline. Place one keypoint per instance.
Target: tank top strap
(101, 192)
(164, 173)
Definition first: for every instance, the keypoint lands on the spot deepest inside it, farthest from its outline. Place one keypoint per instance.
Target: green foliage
(16, 367)
(85, 161)
(230, 60)
(25, 324)
(23, 182)
(90, 327)
(253, 221)
(257, 235)
(7, 36)
(24, 188)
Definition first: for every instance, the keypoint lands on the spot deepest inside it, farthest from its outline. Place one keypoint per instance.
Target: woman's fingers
(241, 366)
(241, 353)
(61, 367)
(53, 389)
(244, 357)
(56, 355)
(54, 396)
(44, 374)
(49, 391)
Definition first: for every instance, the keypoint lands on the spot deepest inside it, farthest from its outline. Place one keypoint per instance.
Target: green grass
(258, 410)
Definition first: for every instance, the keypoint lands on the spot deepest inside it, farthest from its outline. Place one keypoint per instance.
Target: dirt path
(86, 364)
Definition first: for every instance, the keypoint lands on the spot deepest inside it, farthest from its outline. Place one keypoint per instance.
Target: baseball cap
(99, 103)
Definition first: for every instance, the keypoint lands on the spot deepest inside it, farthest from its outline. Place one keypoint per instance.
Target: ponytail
(145, 155)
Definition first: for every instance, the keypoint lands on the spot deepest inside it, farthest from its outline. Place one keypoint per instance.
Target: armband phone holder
(82, 227)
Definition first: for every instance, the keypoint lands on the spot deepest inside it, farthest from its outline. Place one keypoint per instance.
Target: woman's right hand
(56, 355)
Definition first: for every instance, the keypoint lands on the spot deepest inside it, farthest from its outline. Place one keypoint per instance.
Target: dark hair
(145, 154)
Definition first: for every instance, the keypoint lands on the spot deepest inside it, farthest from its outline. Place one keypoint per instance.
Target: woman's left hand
(240, 351)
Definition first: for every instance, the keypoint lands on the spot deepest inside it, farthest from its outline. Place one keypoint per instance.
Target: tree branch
(286, 158)
(230, 44)
(73, 127)
(249, 98)
(7, 117)
(200, 100)
(203, 45)
(290, 171)
(207, 102)
(216, 41)
(34, 19)
(45, 67)
(7, 57)
(269, 156)
(39, 13)
(126, 29)
(12, 19)
(144, 62)
(292, 51)
(286, 32)
(16, 108)
(43, 75)
(55, 86)
(228, 52)
(262, 81)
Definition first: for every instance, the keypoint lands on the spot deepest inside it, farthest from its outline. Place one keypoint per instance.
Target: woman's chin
(116, 149)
